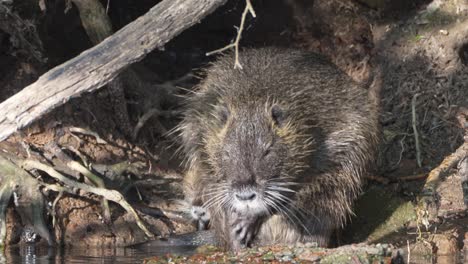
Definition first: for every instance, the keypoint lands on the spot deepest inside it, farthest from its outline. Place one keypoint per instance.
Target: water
(31, 254)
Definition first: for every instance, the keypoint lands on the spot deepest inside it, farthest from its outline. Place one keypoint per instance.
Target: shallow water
(30, 254)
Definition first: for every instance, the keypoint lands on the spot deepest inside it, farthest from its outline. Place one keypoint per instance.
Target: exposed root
(427, 202)
(115, 172)
(6, 190)
(144, 118)
(87, 132)
(78, 167)
(29, 202)
(54, 204)
(235, 44)
(111, 195)
(83, 158)
(97, 181)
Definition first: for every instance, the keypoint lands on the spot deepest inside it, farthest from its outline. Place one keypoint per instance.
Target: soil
(422, 53)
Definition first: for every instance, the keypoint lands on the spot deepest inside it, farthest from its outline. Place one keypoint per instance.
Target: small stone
(443, 32)
(308, 256)
(311, 245)
(269, 256)
(299, 251)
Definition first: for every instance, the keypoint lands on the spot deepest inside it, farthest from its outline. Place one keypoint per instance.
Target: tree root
(87, 132)
(427, 199)
(76, 166)
(7, 188)
(30, 202)
(111, 195)
(145, 117)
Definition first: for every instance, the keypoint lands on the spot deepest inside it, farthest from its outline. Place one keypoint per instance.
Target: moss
(354, 257)
(379, 213)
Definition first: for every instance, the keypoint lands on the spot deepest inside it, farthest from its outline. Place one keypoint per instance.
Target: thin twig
(413, 177)
(142, 120)
(409, 251)
(107, 7)
(402, 144)
(235, 44)
(378, 179)
(415, 130)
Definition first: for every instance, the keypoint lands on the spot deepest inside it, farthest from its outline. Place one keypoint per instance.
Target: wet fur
(323, 142)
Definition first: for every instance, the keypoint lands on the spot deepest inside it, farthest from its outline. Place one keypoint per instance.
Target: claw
(201, 216)
(242, 232)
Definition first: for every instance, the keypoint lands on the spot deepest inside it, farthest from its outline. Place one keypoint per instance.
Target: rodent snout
(248, 201)
(246, 195)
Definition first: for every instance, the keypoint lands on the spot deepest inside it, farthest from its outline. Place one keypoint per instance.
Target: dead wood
(99, 65)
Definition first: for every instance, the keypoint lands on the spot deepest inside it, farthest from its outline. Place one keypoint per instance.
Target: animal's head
(255, 155)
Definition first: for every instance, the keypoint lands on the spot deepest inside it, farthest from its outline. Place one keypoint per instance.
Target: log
(99, 65)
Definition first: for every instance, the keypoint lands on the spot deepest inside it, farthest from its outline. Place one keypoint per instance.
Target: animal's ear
(278, 115)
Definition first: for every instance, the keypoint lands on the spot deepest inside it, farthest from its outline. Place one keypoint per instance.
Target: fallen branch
(415, 130)
(99, 65)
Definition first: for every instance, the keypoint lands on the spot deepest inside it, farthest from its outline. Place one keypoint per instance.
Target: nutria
(276, 151)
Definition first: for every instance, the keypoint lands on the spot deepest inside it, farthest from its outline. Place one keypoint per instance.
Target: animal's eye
(266, 153)
(278, 115)
(223, 114)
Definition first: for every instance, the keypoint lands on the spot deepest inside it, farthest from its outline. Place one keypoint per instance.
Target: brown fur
(323, 140)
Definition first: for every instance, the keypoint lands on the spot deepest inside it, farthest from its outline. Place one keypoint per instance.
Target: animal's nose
(246, 196)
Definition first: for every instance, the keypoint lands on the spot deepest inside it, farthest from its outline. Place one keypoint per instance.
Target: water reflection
(31, 254)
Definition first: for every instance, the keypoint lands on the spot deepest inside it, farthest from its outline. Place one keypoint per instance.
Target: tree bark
(98, 27)
(99, 65)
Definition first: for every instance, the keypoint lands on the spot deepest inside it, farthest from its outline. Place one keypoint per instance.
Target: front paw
(243, 230)
(201, 216)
